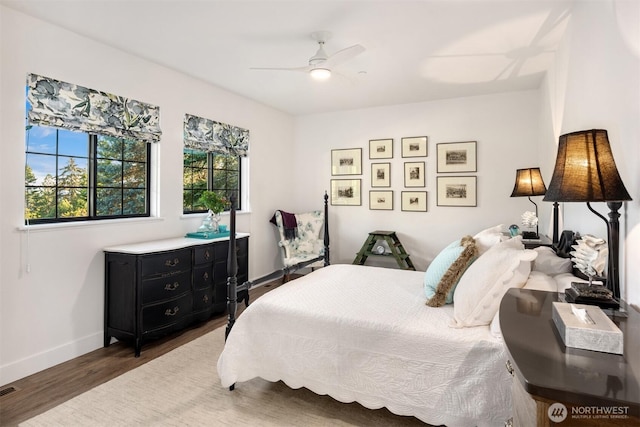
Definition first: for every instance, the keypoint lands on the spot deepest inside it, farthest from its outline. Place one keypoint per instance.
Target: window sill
(204, 214)
(80, 224)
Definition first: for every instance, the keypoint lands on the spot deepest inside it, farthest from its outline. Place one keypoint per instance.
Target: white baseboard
(39, 362)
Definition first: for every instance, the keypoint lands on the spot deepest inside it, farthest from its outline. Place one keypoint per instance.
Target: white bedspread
(364, 334)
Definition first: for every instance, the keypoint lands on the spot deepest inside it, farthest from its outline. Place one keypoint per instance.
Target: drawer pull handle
(171, 286)
(205, 276)
(172, 263)
(170, 312)
(509, 367)
(205, 299)
(207, 255)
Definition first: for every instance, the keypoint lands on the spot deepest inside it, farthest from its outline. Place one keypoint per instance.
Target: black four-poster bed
(364, 334)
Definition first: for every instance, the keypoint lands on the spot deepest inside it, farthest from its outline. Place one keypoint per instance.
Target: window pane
(200, 178)
(195, 158)
(74, 144)
(41, 139)
(41, 170)
(40, 202)
(134, 202)
(109, 173)
(196, 203)
(219, 179)
(109, 147)
(108, 201)
(232, 162)
(72, 172)
(135, 151)
(187, 200)
(72, 202)
(134, 175)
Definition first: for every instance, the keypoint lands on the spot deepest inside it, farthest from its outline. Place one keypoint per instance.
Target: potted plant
(215, 204)
(213, 201)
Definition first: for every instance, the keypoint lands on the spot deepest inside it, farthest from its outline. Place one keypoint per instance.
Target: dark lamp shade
(585, 170)
(528, 183)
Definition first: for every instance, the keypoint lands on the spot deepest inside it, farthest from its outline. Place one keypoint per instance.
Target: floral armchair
(306, 247)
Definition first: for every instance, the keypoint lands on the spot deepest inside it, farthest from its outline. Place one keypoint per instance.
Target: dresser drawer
(160, 315)
(203, 277)
(202, 299)
(162, 288)
(166, 263)
(202, 254)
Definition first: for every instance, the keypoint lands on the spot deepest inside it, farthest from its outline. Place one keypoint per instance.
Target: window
(212, 171)
(74, 176)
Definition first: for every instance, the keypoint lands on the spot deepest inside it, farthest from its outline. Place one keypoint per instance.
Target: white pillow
(488, 237)
(477, 297)
(550, 263)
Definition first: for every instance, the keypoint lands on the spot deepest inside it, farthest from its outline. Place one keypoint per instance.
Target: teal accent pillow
(445, 270)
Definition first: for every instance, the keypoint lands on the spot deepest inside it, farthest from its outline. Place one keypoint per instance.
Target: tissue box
(603, 335)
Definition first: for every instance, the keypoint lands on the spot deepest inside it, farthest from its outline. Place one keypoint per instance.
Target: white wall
(54, 312)
(596, 85)
(504, 126)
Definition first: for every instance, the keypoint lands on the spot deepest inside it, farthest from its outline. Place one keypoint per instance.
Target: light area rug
(182, 388)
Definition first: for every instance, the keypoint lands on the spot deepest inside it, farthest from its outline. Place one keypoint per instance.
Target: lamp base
(530, 235)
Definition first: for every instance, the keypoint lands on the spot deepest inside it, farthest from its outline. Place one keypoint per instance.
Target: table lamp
(585, 171)
(529, 183)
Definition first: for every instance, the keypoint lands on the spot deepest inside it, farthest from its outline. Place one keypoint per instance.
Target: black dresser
(158, 287)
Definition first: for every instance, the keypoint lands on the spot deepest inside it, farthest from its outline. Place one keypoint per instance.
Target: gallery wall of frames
(455, 163)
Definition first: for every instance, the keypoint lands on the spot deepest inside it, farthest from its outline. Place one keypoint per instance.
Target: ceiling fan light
(320, 73)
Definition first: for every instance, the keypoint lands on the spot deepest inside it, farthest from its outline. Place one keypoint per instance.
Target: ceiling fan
(321, 64)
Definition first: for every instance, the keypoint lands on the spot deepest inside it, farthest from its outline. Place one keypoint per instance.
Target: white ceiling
(415, 50)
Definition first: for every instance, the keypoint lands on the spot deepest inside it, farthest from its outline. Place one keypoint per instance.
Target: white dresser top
(165, 244)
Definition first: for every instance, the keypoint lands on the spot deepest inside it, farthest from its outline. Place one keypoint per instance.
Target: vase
(210, 223)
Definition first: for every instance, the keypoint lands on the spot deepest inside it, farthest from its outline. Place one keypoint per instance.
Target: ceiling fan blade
(343, 55)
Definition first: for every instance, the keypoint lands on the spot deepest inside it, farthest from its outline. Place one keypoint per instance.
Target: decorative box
(208, 234)
(597, 333)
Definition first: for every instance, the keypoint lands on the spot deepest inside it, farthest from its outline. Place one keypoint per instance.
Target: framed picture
(456, 157)
(346, 162)
(345, 192)
(414, 201)
(381, 149)
(415, 146)
(414, 174)
(381, 174)
(457, 191)
(381, 200)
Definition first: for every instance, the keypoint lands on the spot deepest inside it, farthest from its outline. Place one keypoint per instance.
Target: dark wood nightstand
(534, 243)
(573, 386)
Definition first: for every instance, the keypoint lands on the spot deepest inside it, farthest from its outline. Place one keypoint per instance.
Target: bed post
(232, 269)
(326, 229)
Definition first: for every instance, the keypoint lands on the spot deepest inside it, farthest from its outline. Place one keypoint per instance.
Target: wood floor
(44, 390)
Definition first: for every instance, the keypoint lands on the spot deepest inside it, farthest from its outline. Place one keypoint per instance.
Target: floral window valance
(211, 136)
(66, 105)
